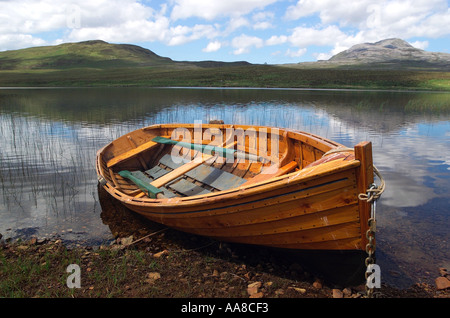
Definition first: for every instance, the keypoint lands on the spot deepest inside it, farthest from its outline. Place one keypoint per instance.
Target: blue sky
(257, 31)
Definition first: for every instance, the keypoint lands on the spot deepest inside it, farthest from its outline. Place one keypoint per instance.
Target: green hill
(94, 54)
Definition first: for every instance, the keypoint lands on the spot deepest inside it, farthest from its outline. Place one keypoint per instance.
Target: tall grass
(232, 76)
(43, 165)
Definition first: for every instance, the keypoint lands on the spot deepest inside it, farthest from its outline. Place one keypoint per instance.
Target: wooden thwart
(178, 172)
(131, 153)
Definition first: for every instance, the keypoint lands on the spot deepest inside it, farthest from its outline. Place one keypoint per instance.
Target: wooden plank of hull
(271, 217)
(258, 196)
(255, 212)
(314, 208)
(326, 236)
(297, 222)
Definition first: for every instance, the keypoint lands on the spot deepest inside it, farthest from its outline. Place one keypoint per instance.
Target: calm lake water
(49, 139)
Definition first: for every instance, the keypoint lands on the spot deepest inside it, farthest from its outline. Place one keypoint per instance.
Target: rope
(374, 192)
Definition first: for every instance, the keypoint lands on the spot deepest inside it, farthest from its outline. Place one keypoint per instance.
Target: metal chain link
(370, 250)
(370, 235)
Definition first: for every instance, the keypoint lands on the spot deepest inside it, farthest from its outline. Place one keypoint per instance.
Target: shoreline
(164, 263)
(381, 90)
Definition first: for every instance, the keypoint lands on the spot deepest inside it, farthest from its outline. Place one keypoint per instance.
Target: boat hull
(315, 208)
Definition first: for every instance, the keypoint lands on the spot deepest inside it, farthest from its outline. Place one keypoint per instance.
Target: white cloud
(263, 20)
(297, 53)
(114, 20)
(209, 9)
(344, 24)
(243, 43)
(235, 23)
(275, 40)
(129, 31)
(262, 25)
(302, 36)
(212, 47)
(19, 41)
(420, 44)
(182, 34)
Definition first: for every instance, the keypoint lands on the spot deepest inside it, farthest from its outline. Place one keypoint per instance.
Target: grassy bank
(39, 269)
(230, 76)
(147, 260)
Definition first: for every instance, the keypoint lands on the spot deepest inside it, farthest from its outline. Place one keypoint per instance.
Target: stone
(347, 292)
(337, 293)
(300, 290)
(159, 254)
(443, 271)
(152, 277)
(253, 288)
(126, 240)
(279, 292)
(317, 284)
(442, 283)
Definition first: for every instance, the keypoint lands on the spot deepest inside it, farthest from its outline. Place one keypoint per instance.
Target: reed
(43, 160)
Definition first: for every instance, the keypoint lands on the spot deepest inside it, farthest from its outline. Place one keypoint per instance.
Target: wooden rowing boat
(247, 184)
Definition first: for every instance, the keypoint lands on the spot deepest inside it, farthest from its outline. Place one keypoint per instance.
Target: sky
(257, 31)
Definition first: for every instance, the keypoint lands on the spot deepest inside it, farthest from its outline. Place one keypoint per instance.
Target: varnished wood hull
(313, 208)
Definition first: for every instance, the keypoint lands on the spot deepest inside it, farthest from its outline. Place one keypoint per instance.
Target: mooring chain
(370, 248)
(371, 196)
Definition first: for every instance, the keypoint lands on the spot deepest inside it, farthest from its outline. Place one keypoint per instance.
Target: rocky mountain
(391, 53)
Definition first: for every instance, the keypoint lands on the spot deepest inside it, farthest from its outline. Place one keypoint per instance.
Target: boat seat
(180, 185)
(213, 177)
(141, 176)
(131, 153)
(156, 172)
(167, 161)
(216, 178)
(187, 188)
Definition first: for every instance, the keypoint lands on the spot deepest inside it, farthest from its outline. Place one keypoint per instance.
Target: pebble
(300, 290)
(253, 288)
(159, 254)
(152, 277)
(442, 283)
(317, 284)
(337, 293)
(347, 292)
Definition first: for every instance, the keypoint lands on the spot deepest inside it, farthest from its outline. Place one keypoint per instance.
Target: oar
(150, 190)
(209, 149)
